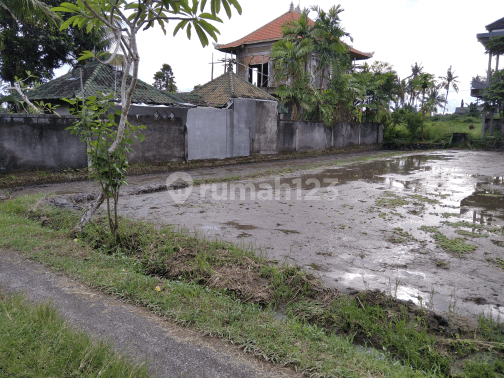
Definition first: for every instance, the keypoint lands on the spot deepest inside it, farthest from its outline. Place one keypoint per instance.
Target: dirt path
(158, 179)
(174, 351)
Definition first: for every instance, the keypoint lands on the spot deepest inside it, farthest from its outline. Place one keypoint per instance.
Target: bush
(414, 123)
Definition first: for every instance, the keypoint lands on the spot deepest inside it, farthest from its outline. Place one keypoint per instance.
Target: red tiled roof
(270, 31)
(273, 31)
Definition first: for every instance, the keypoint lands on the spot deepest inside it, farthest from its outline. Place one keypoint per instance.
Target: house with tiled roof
(479, 84)
(90, 79)
(252, 52)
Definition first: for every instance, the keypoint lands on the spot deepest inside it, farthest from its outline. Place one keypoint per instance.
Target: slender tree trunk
(86, 217)
(446, 102)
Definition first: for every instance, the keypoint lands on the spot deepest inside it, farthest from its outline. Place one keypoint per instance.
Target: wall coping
(48, 116)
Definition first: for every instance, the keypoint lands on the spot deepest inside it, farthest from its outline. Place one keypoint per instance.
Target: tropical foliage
(30, 40)
(449, 80)
(314, 74)
(123, 19)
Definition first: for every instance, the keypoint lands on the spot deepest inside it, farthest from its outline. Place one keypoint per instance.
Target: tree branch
(17, 88)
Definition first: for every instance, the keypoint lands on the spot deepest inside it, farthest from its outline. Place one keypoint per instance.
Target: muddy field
(425, 227)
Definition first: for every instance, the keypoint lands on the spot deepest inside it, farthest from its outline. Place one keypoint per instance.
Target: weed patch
(36, 342)
(456, 245)
(230, 292)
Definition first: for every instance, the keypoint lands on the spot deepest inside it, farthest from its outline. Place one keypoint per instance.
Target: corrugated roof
(96, 78)
(272, 31)
(499, 24)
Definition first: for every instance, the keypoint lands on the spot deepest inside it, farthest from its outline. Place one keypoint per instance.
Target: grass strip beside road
(315, 333)
(36, 342)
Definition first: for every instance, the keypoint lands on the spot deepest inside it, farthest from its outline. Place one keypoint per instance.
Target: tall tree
(290, 69)
(30, 11)
(493, 96)
(413, 83)
(330, 50)
(30, 42)
(165, 79)
(435, 99)
(449, 80)
(124, 19)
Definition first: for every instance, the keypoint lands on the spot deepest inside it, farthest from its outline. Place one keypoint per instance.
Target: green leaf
(209, 16)
(195, 6)
(67, 23)
(210, 29)
(189, 31)
(179, 26)
(201, 34)
(86, 55)
(236, 5)
(227, 8)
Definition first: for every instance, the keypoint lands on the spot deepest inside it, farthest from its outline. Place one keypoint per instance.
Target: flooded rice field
(425, 227)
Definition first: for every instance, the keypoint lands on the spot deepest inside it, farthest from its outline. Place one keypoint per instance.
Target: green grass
(316, 335)
(456, 245)
(36, 342)
(439, 129)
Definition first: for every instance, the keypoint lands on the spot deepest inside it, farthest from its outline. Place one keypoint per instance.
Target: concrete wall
(249, 126)
(207, 133)
(165, 136)
(31, 142)
(304, 136)
(264, 133)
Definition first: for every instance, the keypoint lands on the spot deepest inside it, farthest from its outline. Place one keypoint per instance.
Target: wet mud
(425, 227)
(363, 226)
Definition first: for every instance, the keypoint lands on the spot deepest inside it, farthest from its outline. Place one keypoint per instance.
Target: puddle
(241, 226)
(287, 232)
(210, 228)
(498, 243)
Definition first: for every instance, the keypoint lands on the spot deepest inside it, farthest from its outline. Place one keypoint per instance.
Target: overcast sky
(434, 33)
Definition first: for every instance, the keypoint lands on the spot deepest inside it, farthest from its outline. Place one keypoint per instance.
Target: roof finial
(298, 8)
(291, 6)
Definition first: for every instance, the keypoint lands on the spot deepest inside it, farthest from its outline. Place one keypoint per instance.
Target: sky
(435, 33)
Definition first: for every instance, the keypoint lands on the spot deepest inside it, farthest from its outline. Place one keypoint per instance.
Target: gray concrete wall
(264, 134)
(31, 142)
(165, 136)
(208, 133)
(313, 136)
(304, 136)
(244, 119)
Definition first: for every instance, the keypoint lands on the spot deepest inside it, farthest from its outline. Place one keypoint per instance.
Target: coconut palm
(331, 51)
(449, 80)
(289, 67)
(435, 99)
(30, 11)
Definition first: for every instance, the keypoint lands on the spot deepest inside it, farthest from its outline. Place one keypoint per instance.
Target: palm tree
(435, 99)
(331, 51)
(30, 11)
(289, 67)
(413, 83)
(449, 80)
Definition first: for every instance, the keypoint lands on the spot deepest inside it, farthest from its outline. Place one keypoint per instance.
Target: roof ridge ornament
(291, 8)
